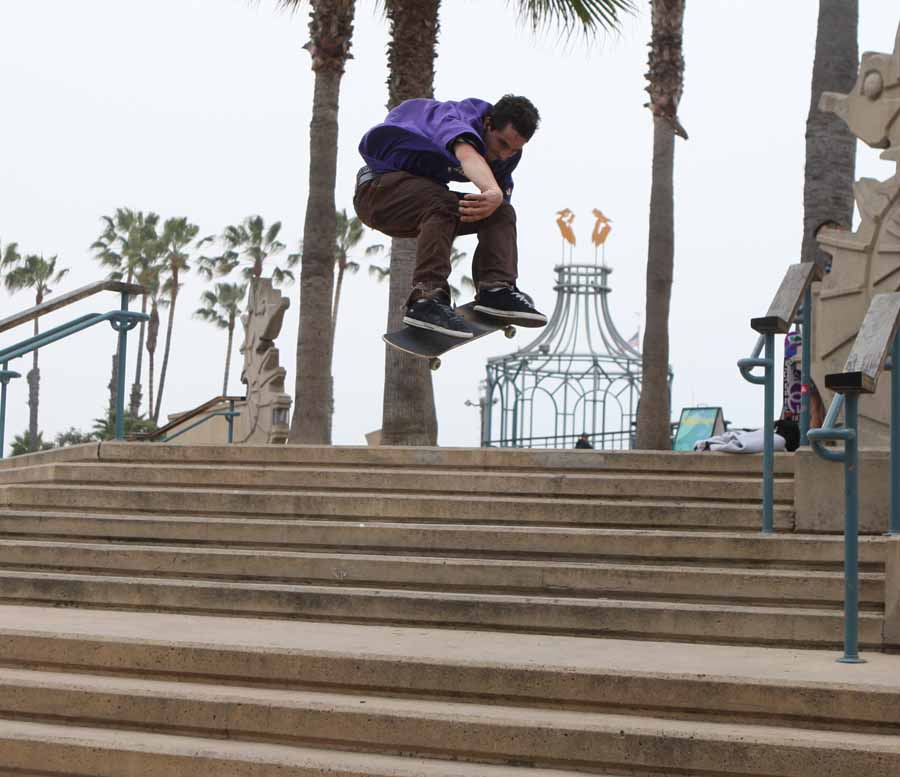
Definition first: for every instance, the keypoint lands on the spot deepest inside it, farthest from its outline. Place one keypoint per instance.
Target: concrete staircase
(352, 611)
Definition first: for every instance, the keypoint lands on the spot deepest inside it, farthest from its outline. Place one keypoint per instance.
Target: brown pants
(404, 205)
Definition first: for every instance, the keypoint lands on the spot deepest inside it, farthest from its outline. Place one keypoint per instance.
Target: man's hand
(475, 207)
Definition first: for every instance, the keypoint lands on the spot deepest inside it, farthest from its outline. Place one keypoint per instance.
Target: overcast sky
(201, 108)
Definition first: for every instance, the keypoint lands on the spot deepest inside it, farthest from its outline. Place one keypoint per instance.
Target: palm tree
(380, 273)
(177, 236)
(350, 232)
(28, 443)
(222, 309)
(830, 145)
(408, 412)
(587, 15)
(250, 241)
(32, 272)
(331, 33)
(149, 277)
(128, 237)
(666, 82)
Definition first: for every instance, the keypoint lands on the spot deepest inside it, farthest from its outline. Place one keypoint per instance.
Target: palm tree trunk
(408, 415)
(228, 356)
(152, 333)
(34, 381)
(408, 412)
(337, 302)
(830, 145)
(331, 30)
(665, 84)
(165, 365)
(653, 430)
(135, 399)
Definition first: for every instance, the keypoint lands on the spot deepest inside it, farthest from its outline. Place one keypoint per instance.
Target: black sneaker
(436, 316)
(508, 302)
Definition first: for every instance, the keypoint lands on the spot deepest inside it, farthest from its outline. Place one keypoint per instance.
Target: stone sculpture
(865, 262)
(267, 406)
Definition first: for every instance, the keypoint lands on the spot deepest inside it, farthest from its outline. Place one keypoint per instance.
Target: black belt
(365, 175)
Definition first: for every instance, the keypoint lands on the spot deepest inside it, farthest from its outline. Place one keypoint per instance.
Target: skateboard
(425, 344)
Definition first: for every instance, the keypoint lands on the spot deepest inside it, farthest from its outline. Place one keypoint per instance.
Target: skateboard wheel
(510, 331)
(435, 364)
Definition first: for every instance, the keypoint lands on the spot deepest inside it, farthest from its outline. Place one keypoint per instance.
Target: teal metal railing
(778, 320)
(869, 356)
(163, 433)
(229, 414)
(121, 320)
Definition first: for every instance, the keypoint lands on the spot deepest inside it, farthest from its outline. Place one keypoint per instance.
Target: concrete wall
(215, 430)
(819, 493)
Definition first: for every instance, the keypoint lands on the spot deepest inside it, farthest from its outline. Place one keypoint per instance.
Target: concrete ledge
(892, 595)
(443, 457)
(819, 493)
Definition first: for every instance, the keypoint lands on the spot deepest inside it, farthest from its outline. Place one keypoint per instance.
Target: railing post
(6, 375)
(122, 329)
(806, 351)
(851, 531)
(230, 419)
(895, 436)
(769, 437)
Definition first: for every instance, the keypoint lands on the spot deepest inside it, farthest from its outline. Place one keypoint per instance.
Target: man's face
(502, 144)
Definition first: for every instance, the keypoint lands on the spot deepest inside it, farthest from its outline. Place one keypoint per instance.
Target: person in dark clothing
(402, 191)
(583, 442)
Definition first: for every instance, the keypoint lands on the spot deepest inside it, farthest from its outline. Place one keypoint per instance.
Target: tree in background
(26, 443)
(408, 412)
(666, 83)
(105, 428)
(32, 272)
(129, 241)
(331, 34)
(830, 145)
(177, 239)
(221, 308)
(149, 278)
(72, 436)
(254, 244)
(350, 233)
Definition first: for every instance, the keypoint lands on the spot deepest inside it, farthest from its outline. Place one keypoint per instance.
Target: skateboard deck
(425, 344)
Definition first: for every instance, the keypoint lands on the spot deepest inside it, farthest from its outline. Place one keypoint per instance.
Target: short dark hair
(518, 111)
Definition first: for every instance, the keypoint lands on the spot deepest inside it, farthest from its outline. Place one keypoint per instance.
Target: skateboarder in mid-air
(402, 191)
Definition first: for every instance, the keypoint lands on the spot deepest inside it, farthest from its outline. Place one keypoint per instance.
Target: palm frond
(570, 15)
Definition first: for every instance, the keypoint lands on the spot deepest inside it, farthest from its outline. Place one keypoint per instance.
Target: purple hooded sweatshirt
(417, 136)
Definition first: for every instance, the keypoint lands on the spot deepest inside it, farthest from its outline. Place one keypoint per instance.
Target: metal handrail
(850, 458)
(122, 322)
(865, 363)
(229, 414)
(782, 313)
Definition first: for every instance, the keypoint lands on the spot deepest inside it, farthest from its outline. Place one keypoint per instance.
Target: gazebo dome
(580, 376)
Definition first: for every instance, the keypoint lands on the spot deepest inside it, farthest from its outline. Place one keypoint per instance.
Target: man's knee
(506, 212)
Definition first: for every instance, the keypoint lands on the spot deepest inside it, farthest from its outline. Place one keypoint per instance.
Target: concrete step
(491, 459)
(551, 483)
(709, 583)
(789, 688)
(656, 545)
(444, 729)
(46, 749)
(458, 508)
(645, 619)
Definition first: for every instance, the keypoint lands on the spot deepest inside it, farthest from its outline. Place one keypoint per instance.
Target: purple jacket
(416, 137)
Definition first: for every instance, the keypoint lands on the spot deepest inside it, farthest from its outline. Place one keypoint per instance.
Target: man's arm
(475, 207)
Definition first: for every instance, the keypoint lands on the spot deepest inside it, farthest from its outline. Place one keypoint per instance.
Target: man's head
(508, 126)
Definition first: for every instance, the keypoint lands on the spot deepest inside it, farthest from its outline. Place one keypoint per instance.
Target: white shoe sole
(434, 328)
(511, 314)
